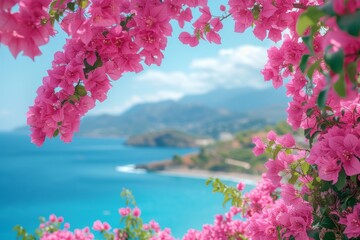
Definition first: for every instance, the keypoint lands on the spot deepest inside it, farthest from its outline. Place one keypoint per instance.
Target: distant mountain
(222, 110)
(243, 100)
(164, 138)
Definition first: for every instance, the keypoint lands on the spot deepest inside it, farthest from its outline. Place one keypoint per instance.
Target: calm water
(79, 182)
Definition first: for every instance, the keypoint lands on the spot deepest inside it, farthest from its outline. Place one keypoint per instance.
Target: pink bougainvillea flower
(124, 211)
(347, 150)
(352, 223)
(286, 140)
(136, 212)
(186, 38)
(240, 186)
(259, 146)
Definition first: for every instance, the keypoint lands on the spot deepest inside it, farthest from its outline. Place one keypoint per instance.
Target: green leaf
(354, 179)
(198, 34)
(314, 234)
(88, 68)
(294, 178)
(328, 8)
(309, 112)
(276, 151)
(74, 98)
(351, 70)
(341, 183)
(323, 126)
(350, 23)
(329, 236)
(208, 181)
(325, 186)
(98, 62)
(308, 40)
(340, 87)
(308, 19)
(71, 6)
(326, 222)
(226, 199)
(312, 138)
(303, 62)
(307, 133)
(305, 167)
(207, 28)
(312, 69)
(80, 90)
(321, 100)
(335, 60)
(56, 133)
(83, 3)
(256, 11)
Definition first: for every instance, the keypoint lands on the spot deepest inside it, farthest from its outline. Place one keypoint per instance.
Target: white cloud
(136, 99)
(182, 81)
(246, 56)
(233, 67)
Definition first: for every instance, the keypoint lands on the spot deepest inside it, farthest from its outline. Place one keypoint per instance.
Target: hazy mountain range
(221, 110)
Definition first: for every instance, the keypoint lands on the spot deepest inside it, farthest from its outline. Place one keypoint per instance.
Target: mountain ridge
(209, 114)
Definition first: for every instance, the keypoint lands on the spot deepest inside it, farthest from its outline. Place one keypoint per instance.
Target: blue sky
(185, 70)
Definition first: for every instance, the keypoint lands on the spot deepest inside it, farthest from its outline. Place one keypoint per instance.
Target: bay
(79, 181)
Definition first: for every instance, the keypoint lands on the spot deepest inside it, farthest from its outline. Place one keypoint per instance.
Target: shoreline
(183, 171)
(204, 174)
(165, 168)
(193, 173)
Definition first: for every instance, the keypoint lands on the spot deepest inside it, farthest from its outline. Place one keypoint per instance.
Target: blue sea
(79, 181)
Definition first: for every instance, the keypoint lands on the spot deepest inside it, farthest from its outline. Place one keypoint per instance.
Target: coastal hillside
(233, 155)
(207, 115)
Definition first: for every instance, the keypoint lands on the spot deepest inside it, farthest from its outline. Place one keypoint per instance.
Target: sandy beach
(198, 173)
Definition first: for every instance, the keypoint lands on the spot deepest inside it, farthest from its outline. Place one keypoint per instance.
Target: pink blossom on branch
(352, 222)
(27, 29)
(259, 146)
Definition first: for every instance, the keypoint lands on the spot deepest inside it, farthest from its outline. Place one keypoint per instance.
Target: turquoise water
(79, 181)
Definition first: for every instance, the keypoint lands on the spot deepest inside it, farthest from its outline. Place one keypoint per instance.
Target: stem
(297, 148)
(226, 16)
(299, 6)
(338, 229)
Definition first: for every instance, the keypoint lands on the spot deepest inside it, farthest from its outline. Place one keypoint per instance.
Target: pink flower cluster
(136, 212)
(338, 149)
(78, 234)
(282, 60)
(224, 227)
(260, 198)
(352, 222)
(75, 82)
(50, 230)
(292, 220)
(267, 217)
(108, 39)
(101, 226)
(267, 16)
(273, 141)
(27, 28)
(205, 27)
